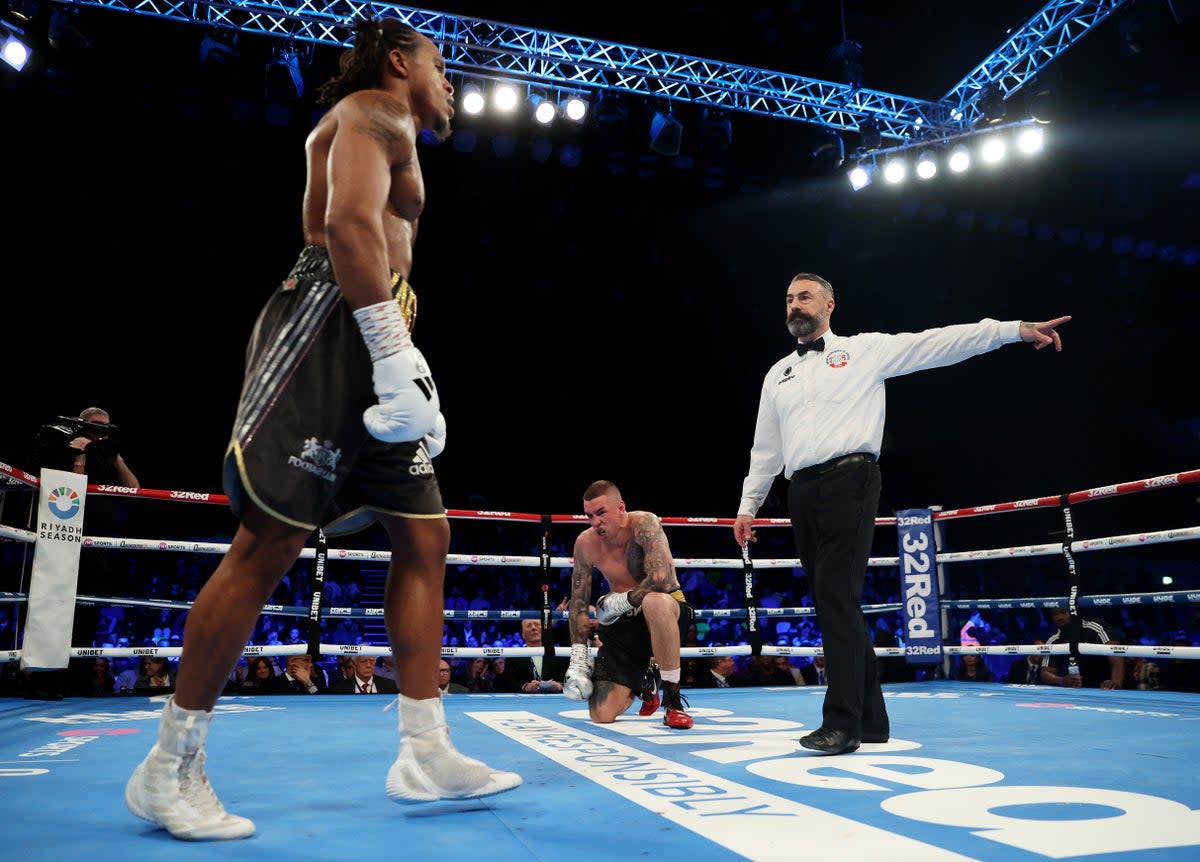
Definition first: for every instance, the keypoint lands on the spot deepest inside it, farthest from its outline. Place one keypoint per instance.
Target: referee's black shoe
(828, 740)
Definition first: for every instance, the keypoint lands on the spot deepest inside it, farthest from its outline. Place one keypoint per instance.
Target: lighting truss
(476, 47)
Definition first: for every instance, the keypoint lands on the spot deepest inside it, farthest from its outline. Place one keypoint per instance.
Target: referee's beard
(800, 325)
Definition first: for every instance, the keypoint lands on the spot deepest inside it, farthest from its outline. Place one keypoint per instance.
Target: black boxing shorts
(625, 647)
(299, 450)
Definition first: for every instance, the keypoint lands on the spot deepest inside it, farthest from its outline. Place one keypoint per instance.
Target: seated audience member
(476, 676)
(298, 677)
(763, 671)
(155, 677)
(971, 669)
(1026, 670)
(100, 682)
(534, 674)
(814, 673)
(1091, 671)
(131, 669)
(364, 680)
(260, 674)
(720, 673)
(446, 685)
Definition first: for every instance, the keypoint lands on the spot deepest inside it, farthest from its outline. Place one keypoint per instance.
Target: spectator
(260, 674)
(364, 680)
(1026, 670)
(477, 676)
(156, 677)
(763, 671)
(100, 683)
(814, 673)
(720, 673)
(446, 685)
(299, 677)
(534, 674)
(971, 669)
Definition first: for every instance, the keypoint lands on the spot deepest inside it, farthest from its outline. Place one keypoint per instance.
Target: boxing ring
(972, 771)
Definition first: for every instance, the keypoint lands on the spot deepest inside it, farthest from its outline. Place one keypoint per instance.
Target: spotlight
(870, 137)
(829, 150)
(544, 109)
(895, 171)
(960, 159)
(14, 52)
(472, 99)
(63, 34)
(1040, 106)
(860, 176)
(991, 104)
(504, 98)
(993, 149)
(576, 109)
(716, 131)
(926, 165)
(847, 56)
(1030, 140)
(26, 10)
(666, 133)
(283, 81)
(215, 50)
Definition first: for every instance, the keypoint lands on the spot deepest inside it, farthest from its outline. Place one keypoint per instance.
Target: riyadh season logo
(64, 503)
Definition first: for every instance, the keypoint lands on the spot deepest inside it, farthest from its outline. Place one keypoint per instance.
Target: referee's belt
(832, 464)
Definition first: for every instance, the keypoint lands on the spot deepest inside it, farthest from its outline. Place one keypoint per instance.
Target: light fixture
(715, 131)
(216, 49)
(895, 170)
(1031, 139)
(860, 176)
(666, 133)
(870, 136)
(15, 52)
(282, 78)
(576, 109)
(960, 159)
(926, 165)
(993, 149)
(544, 108)
(472, 99)
(992, 105)
(505, 98)
(829, 150)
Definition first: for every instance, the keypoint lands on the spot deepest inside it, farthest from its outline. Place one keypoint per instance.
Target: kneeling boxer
(644, 615)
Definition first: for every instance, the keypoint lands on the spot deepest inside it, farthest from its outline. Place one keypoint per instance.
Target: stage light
(216, 49)
(870, 137)
(993, 149)
(472, 99)
(576, 109)
(666, 133)
(15, 52)
(926, 165)
(960, 159)
(544, 108)
(715, 131)
(895, 171)
(860, 176)
(1031, 140)
(992, 105)
(505, 98)
(829, 151)
(282, 79)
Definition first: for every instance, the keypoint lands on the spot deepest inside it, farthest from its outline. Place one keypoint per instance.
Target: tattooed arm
(581, 624)
(649, 558)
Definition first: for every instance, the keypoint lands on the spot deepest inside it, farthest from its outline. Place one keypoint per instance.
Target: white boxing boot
(170, 788)
(429, 767)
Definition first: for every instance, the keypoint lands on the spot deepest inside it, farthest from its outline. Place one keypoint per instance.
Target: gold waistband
(407, 298)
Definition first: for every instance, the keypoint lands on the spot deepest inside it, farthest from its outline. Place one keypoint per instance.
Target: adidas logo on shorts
(421, 465)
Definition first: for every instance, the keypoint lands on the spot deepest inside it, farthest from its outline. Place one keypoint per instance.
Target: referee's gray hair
(826, 287)
(87, 414)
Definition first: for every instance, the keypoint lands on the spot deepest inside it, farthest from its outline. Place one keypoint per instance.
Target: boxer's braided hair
(362, 65)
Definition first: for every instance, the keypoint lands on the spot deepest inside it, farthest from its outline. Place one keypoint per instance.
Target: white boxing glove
(408, 400)
(435, 440)
(577, 685)
(611, 607)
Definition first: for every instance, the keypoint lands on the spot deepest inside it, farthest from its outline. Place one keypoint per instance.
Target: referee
(820, 422)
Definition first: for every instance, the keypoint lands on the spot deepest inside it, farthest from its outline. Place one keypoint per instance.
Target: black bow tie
(818, 346)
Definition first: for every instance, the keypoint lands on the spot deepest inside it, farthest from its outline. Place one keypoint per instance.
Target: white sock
(670, 675)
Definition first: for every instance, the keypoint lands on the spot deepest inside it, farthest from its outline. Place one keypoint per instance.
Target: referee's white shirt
(823, 405)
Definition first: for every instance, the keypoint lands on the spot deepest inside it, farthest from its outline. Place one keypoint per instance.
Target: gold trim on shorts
(406, 297)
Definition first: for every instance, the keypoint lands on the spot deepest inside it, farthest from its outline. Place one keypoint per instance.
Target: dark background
(615, 319)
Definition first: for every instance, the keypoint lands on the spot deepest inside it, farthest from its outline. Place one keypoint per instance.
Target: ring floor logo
(756, 822)
(64, 503)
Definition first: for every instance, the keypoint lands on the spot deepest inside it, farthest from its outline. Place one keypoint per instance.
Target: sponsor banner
(54, 578)
(918, 571)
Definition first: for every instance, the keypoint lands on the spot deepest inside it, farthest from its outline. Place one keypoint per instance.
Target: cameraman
(94, 451)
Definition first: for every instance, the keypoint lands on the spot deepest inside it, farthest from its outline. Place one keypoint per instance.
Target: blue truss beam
(1034, 45)
(481, 48)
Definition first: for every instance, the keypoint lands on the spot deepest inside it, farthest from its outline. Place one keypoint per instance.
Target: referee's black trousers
(833, 520)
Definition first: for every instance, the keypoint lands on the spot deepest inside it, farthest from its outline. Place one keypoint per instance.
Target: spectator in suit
(299, 677)
(720, 673)
(814, 674)
(762, 670)
(477, 676)
(1026, 670)
(446, 685)
(364, 680)
(535, 674)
